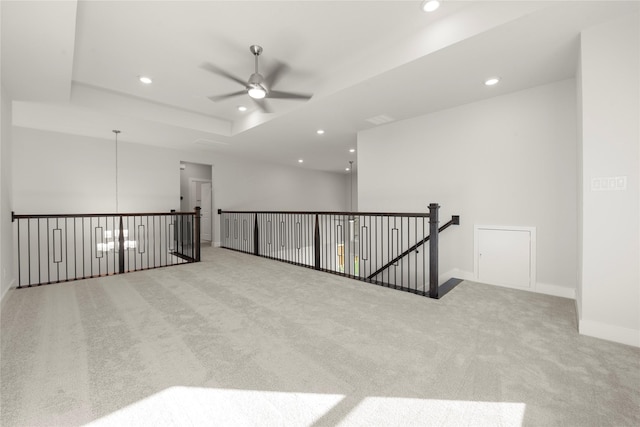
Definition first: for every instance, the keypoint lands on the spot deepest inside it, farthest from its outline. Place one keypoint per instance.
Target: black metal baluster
(135, 263)
(19, 255)
(424, 250)
(389, 253)
(121, 262)
(91, 248)
(146, 242)
(408, 278)
(29, 250)
(415, 239)
(66, 250)
(54, 251)
(256, 230)
(113, 238)
(48, 254)
(75, 249)
(153, 223)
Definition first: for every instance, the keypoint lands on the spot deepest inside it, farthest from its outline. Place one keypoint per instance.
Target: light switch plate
(609, 183)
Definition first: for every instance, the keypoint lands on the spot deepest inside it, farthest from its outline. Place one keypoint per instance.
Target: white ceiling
(73, 66)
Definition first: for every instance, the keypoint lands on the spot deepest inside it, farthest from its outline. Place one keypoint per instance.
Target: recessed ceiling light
(320, 132)
(430, 5)
(347, 169)
(352, 150)
(146, 80)
(300, 161)
(242, 108)
(492, 81)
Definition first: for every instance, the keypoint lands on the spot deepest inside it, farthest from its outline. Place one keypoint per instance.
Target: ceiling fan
(257, 87)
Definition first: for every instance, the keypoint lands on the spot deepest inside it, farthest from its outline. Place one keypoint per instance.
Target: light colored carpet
(240, 340)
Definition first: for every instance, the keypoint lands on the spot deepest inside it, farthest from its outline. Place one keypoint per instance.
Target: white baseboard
(6, 290)
(454, 272)
(555, 290)
(609, 332)
(216, 244)
(540, 288)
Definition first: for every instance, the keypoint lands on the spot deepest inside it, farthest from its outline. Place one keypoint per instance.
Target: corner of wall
(5, 290)
(7, 268)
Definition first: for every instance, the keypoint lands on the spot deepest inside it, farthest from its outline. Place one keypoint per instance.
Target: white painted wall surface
(62, 173)
(610, 269)
(509, 160)
(7, 269)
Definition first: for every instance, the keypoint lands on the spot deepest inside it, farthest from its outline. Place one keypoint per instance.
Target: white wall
(509, 160)
(7, 269)
(61, 173)
(609, 290)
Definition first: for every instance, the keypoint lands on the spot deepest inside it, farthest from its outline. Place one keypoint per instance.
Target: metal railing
(62, 248)
(387, 249)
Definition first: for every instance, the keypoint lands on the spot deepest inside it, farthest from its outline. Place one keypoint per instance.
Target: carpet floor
(243, 341)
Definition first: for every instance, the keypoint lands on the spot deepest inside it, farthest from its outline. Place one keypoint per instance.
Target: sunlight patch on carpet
(420, 412)
(197, 406)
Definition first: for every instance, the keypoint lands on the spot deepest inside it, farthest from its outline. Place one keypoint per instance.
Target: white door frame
(192, 196)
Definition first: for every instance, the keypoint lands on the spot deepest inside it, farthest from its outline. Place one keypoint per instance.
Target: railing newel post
(433, 250)
(196, 232)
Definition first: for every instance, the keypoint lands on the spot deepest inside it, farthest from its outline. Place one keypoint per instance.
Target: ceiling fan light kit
(430, 5)
(256, 91)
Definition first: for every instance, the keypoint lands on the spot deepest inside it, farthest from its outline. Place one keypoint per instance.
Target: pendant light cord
(116, 132)
(351, 185)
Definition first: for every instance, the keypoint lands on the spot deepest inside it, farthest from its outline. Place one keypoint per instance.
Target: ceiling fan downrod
(256, 50)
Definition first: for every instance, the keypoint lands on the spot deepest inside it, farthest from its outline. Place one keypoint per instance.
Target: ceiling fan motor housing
(256, 79)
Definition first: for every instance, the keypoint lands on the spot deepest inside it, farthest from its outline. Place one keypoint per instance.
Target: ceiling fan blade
(217, 98)
(278, 94)
(261, 103)
(276, 74)
(219, 71)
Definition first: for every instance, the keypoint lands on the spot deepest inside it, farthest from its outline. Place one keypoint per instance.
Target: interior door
(205, 220)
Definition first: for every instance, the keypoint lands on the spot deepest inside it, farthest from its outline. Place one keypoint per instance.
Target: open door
(205, 220)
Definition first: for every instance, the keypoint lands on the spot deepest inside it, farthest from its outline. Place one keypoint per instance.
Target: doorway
(200, 194)
(196, 189)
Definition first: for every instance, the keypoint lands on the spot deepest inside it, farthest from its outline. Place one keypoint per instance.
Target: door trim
(532, 252)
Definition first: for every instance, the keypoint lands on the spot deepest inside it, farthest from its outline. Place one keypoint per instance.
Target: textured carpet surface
(240, 340)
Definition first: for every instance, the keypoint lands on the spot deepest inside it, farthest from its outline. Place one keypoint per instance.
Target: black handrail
(53, 248)
(350, 244)
(15, 216)
(392, 214)
(455, 220)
